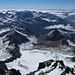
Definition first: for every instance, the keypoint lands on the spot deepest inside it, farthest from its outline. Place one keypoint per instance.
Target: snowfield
(31, 57)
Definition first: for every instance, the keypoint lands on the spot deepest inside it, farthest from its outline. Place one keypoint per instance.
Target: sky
(37, 4)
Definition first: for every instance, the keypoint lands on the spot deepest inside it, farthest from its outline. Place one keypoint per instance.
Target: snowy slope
(30, 59)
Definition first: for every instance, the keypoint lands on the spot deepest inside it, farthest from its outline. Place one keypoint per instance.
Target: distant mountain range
(34, 23)
(32, 20)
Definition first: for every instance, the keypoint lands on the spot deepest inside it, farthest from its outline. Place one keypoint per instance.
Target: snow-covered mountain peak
(61, 31)
(59, 36)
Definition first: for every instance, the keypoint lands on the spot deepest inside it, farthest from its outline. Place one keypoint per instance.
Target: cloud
(71, 14)
(67, 27)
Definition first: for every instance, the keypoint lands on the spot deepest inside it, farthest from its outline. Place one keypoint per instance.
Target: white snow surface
(31, 57)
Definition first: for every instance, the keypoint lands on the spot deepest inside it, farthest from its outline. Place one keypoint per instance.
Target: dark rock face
(5, 71)
(15, 37)
(2, 72)
(14, 72)
(73, 59)
(44, 64)
(14, 52)
(41, 65)
(55, 36)
(2, 65)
